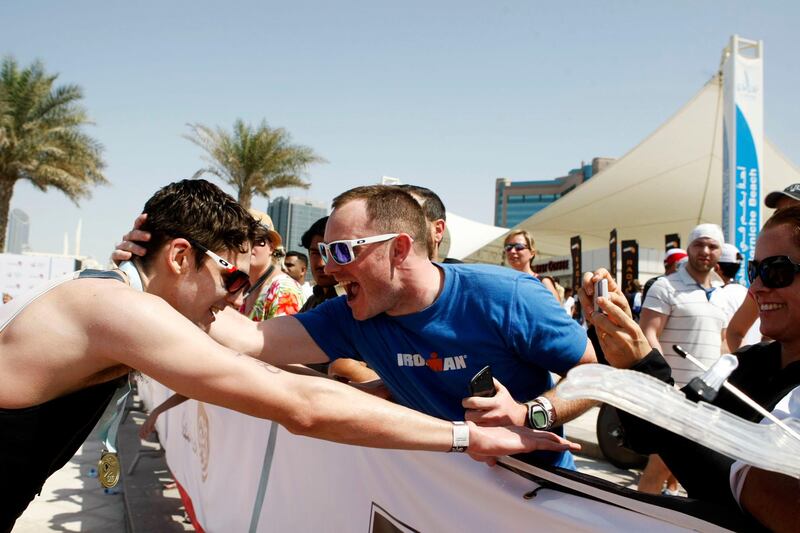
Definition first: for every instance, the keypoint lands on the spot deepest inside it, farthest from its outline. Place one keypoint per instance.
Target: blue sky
(449, 94)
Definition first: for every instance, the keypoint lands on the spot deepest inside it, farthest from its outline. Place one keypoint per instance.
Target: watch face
(539, 418)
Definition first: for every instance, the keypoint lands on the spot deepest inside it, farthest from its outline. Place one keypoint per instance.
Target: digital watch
(541, 414)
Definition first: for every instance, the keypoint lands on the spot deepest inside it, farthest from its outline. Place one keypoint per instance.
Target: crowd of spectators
(414, 327)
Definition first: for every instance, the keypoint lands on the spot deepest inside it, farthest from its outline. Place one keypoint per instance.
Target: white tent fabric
(669, 183)
(464, 236)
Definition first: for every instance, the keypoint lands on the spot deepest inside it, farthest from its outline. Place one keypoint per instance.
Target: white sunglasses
(342, 252)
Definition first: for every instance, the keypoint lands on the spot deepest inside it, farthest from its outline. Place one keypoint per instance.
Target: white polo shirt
(697, 317)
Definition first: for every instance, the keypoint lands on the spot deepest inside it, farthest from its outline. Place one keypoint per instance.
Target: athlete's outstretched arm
(179, 355)
(281, 340)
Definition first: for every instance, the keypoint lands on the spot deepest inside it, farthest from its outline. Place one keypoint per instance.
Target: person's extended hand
(375, 387)
(128, 248)
(487, 443)
(148, 426)
(499, 410)
(622, 339)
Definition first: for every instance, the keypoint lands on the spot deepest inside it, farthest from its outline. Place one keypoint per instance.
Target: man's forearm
(328, 410)
(567, 410)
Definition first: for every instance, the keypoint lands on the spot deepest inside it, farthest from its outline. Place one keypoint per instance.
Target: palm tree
(41, 138)
(253, 161)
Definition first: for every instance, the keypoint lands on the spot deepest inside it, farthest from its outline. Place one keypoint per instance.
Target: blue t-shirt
(485, 315)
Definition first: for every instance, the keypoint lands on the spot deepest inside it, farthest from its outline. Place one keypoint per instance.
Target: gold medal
(108, 469)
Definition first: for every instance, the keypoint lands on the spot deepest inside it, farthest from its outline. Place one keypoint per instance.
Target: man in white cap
(686, 308)
(729, 264)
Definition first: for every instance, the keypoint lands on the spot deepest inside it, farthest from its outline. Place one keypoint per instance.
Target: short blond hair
(526, 235)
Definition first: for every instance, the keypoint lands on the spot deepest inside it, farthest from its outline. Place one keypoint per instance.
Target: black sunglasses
(234, 279)
(775, 272)
(518, 246)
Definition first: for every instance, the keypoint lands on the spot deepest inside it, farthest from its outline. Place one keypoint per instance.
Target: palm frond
(253, 160)
(41, 134)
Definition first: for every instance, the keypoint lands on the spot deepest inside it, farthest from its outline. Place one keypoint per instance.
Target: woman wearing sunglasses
(274, 293)
(767, 372)
(519, 251)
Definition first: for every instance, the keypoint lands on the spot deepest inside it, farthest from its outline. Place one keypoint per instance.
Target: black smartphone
(482, 384)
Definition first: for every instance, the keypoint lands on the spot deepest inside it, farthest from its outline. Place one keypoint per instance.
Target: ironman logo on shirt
(435, 363)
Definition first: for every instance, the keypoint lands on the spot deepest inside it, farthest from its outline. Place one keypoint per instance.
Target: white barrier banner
(241, 479)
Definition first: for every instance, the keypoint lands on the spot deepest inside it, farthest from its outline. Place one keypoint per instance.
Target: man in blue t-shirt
(427, 328)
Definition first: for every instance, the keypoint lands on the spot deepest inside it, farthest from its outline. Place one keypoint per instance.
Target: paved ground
(73, 500)
(146, 500)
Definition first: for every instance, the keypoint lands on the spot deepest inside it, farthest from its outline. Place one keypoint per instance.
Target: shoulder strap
(102, 274)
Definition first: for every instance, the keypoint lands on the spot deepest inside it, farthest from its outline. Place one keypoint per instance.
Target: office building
(18, 233)
(293, 216)
(515, 201)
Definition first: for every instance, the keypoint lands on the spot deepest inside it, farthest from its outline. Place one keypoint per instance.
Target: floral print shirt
(283, 296)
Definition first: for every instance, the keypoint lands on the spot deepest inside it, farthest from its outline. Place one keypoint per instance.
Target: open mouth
(767, 307)
(351, 288)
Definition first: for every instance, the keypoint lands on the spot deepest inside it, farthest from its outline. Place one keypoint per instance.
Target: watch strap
(540, 404)
(460, 437)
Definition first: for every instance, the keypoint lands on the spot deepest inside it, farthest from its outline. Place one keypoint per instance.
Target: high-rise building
(515, 201)
(19, 228)
(293, 216)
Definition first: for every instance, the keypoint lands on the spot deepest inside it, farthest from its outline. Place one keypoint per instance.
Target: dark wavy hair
(201, 212)
(316, 229)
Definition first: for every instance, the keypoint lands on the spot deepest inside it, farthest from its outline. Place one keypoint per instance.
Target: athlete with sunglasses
(767, 372)
(66, 346)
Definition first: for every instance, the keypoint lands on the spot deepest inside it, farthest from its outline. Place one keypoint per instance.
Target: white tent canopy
(465, 236)
(669, 183)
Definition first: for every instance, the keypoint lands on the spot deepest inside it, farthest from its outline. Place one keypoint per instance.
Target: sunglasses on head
(234, 279)
(518, 246)
(775, 272)
(343, 252)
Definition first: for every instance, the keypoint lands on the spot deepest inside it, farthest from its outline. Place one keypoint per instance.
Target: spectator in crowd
(296, 265)
(744, 318)
(673, 259)
(788, 197)
(686, 307)
(324, 284)
(569, 302)
(519, 251)
(427, 328)
(64, 355)
(766, 372)
(635, 298)
(435, 216)
(276, 293)
(729, 264)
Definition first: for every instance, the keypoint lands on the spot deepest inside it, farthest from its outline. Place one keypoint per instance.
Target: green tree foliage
(41, 137)
(253, 161)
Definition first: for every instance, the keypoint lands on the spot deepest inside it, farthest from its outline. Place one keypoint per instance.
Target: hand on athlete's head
(128, 248)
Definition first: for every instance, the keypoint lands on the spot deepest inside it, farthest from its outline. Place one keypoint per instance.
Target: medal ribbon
(108, 426)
